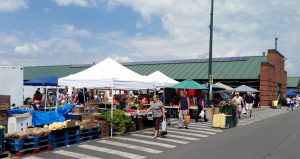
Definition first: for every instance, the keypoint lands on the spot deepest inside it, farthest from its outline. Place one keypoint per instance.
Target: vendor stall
(108, 74)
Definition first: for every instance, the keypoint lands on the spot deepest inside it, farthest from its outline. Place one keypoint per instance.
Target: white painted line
(175, 136)
(201, 126)
(139, 148)
(146, 142)
(113, 152)
(161, 139)
(188, 134)
(75, 155)
(194, 131)
(32, 157)
(197, 128)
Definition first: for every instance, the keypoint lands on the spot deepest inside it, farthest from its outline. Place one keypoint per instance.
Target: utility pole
(210, 76)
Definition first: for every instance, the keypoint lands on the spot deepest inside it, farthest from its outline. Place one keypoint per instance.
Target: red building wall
(272, 76)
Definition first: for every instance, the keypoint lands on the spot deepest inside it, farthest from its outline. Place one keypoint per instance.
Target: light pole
(210, 76)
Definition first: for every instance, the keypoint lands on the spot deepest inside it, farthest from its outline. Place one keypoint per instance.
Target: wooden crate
(105, 128)
(4, 99)
(4, 106)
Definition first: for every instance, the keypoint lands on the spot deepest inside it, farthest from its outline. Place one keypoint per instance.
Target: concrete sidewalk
(261, 114)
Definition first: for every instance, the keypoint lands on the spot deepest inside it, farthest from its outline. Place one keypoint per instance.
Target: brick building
(273, 77)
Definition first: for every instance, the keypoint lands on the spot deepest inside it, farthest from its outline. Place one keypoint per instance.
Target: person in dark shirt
(184, 105)
(124, 100)
(249, 100)
(83, 96)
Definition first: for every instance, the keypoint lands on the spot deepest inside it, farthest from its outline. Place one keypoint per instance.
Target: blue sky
(49, 32)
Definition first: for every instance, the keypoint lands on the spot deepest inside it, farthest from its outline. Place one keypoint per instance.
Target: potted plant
(228, 108)
(120, 120)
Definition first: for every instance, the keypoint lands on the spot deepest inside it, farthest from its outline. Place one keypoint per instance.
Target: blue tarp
(291, 94)
(41, 118)
(65, 109)
(43, 81)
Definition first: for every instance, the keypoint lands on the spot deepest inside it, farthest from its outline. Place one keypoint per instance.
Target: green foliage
(119, 121)
(228, 108)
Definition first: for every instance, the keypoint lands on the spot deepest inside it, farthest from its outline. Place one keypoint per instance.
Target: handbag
(188, 118)
(244, 111)
(164, 128)
(202, 114)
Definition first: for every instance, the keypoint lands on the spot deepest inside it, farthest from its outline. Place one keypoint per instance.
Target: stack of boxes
(4, 106)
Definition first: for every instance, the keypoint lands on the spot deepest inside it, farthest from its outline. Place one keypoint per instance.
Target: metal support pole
(210, 55)
(112, 111)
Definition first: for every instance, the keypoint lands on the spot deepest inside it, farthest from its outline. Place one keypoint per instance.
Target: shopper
(238, 101)
(184, 105)
(288, 102)
(200, 105)
(249, 100)
(124, 101)
(158, 113)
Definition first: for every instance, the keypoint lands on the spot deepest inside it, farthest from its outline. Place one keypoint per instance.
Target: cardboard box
(94, 102)
(78, 110)
(71, 124)
(21, 115)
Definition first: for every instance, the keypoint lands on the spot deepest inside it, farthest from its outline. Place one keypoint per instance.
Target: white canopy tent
(108, 74)
(223, 86)
(162, 80)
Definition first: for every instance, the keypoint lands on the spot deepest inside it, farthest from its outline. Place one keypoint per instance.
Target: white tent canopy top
(223, 86)
(244, 88)
(108, 74)
(162, 80)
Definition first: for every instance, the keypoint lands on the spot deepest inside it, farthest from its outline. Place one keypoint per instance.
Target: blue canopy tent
(290, 94)
(43, 81)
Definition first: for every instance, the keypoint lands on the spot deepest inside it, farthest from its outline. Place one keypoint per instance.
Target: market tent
(162, 80)
(244, 88)
(214, 87)
(108, 74)
(43, 81)
(290, 94)
(189, 84)
(223, 86)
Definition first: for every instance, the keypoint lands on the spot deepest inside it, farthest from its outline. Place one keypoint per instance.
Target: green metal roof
(43, 71)
(223, 68)
(293, 82)
(248, 68)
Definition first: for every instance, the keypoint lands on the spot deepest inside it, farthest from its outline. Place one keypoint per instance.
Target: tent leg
(83, 97)
(112, 111)
(56, 101)
(46, 99)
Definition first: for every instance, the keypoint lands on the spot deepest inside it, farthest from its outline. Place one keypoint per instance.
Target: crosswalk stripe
(139, 148)
(176, 136)
(146, 142)
(74, 154)
(201, 128)
(186, 133)
(32, 157)
(161, 139)
(195, 131)
(113, 152)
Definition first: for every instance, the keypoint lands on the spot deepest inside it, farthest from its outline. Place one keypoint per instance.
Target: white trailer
(11, 83)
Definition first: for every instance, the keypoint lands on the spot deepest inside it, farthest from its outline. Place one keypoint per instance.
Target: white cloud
(27, 49)
(12, 5)
(241, 27)
(71, 30)
(80, 3)
(122, 59)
